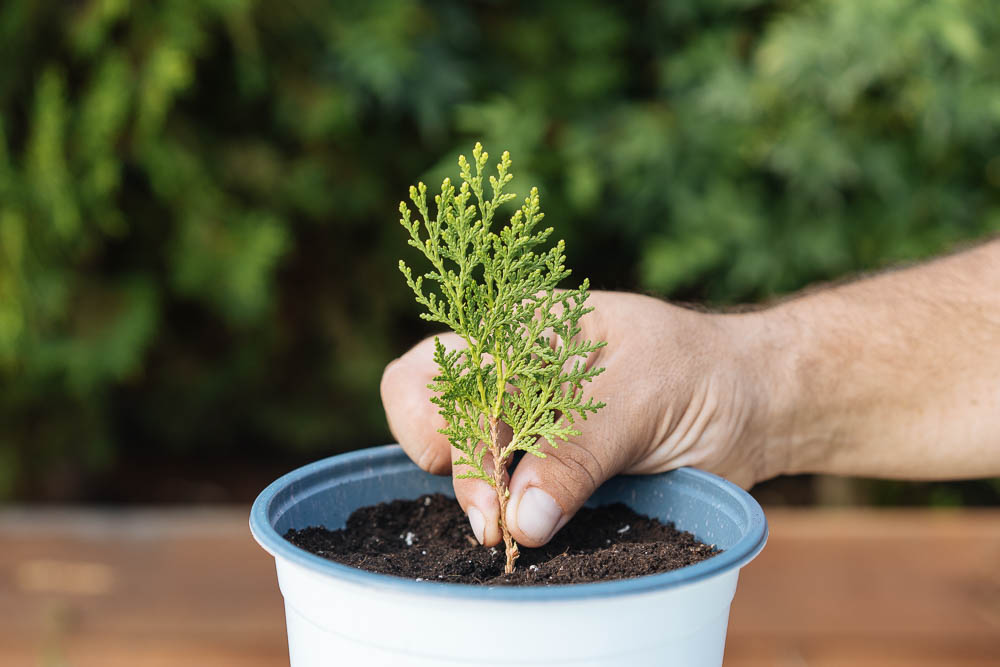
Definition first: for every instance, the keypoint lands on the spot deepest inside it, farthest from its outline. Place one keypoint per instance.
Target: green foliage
(193, 247)
(522, 363)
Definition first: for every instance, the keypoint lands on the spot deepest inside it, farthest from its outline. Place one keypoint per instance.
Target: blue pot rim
(382, 458)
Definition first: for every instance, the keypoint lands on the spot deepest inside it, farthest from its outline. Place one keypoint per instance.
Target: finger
(545, 493)
(415, 423)
(413, 419)
(478, 499)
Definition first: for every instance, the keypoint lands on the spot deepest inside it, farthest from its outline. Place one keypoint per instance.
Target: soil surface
(430, 539)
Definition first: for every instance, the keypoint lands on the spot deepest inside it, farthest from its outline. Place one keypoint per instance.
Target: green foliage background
(198, 233)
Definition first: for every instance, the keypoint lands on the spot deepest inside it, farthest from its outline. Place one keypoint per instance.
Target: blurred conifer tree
(197, 198)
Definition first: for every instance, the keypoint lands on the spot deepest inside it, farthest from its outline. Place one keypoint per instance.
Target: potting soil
(429, 539)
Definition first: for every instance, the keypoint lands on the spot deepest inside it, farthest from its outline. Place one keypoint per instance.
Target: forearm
(892, 376)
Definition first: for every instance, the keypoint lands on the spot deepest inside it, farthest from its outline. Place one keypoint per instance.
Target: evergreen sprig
(522, 363)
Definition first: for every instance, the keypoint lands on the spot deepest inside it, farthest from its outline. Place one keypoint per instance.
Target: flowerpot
(339, 615)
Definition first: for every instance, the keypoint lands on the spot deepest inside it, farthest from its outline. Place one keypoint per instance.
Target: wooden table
(151, 588)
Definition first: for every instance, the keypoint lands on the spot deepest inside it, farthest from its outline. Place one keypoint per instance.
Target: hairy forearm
(892, 376)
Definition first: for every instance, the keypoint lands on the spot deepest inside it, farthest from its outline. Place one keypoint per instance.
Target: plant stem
(503, 494)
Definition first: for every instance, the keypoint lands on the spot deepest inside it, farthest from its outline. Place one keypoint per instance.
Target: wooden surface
(83, 588)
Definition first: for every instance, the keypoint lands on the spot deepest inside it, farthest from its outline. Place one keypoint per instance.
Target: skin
(894, 376)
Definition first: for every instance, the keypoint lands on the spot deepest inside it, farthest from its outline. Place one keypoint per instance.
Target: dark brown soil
(430, 539)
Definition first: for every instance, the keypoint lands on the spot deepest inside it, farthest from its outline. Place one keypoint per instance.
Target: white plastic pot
(339, 615)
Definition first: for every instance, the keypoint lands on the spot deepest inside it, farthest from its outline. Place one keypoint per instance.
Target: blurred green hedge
(198, 234)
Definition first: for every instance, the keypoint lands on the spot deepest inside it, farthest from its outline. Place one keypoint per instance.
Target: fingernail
(477, 522)
(538, 514)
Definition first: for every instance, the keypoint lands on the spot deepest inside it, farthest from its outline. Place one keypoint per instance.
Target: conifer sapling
(523, 364)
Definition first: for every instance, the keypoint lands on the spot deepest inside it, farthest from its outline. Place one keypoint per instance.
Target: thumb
(545, 493)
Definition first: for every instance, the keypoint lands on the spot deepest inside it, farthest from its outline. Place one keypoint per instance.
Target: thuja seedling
(523, 363)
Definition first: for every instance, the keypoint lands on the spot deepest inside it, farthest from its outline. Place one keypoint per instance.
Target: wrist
(769, 357)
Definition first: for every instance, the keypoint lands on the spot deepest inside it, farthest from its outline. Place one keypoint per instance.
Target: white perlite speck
(409, 539)
(624, 529)
(427, 501)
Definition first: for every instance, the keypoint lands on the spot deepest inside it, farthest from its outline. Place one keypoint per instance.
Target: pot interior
(328, 491)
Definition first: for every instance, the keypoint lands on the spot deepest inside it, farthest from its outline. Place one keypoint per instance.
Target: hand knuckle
(431, 460)
(581, 469)
(390, 376)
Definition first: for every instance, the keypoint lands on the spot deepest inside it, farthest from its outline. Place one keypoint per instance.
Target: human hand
(680, 390)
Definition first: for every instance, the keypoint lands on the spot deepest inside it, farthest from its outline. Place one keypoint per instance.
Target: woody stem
(503, 494)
